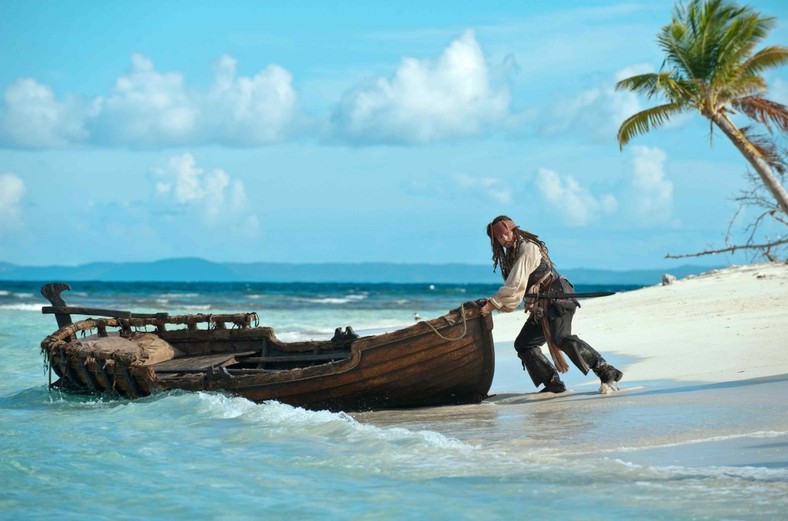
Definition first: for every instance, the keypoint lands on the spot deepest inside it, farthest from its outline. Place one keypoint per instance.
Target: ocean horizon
(201, 270)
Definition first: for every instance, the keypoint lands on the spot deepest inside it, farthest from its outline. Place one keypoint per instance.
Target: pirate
(528, 272)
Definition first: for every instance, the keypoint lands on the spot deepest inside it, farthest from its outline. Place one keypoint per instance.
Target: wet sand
(705, 364)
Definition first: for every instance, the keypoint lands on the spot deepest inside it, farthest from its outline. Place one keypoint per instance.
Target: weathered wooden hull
(448, 360)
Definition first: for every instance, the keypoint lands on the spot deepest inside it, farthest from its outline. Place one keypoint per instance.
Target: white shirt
(509, 296)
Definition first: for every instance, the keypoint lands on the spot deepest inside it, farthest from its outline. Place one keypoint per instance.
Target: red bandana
(501, 227)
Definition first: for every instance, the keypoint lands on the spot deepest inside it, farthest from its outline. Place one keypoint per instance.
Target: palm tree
(711, 66)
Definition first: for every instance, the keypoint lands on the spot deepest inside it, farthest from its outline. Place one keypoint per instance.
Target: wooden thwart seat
(197, 364)
(305, 357)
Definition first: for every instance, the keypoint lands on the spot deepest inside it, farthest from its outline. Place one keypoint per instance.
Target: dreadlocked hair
(506, 258)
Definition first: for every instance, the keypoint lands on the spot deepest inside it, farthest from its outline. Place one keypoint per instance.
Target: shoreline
(705, 364)
(724, 325)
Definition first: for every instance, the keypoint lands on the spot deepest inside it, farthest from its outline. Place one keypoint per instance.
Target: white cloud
(653, 192)
(251, 110)
(214, 196)
(34, 118)
(570, 201)
(596, 112)
(425, 101)
(149, 108)
(12, 189)
(490, 187)
(146, 108)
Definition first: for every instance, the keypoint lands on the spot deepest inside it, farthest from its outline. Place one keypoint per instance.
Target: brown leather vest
(545, 267)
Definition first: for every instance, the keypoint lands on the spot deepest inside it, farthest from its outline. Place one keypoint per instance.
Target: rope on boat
(464, 327)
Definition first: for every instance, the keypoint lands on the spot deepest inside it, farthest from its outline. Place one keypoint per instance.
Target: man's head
(501, 231)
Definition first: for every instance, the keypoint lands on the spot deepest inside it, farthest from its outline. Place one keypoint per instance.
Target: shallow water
(654, 451)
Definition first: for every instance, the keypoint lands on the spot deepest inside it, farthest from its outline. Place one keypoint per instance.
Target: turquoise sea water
(211, 456)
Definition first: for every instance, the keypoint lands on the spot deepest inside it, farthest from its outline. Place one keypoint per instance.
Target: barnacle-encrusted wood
(117, 361)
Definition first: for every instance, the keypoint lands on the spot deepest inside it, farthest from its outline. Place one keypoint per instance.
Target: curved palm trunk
(768, 178)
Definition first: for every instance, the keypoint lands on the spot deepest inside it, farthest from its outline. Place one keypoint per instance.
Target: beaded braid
(506, 258)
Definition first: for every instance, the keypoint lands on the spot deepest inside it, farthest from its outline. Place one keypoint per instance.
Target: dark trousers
(559, 321)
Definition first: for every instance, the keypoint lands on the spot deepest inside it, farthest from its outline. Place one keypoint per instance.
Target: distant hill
(200, 270)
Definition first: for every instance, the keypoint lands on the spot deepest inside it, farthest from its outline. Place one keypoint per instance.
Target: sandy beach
(722, 326)
(705, 363)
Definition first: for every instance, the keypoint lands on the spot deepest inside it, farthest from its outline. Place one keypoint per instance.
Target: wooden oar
(63, 312)
(114, 313)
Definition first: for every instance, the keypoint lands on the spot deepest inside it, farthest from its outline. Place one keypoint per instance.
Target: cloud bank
(575, 205)
(34, 118)
(213, 197)
(652, 191)
(595, 113)
(423, 101)
(152, 109)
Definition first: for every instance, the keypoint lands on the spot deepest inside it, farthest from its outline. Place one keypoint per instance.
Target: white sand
(725, 325)
(705, 364)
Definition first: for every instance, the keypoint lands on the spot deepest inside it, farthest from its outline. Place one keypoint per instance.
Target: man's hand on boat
(487, 307)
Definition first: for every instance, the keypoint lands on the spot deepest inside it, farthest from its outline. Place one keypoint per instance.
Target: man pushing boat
(529, 274)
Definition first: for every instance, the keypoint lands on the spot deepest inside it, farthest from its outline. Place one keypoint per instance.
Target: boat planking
(448, 360)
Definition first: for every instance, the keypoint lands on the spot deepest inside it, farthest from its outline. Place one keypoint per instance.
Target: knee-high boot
(594, 361)
(541, 370)
(582, 355)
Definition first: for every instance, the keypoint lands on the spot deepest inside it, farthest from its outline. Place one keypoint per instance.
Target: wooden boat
(447, 360)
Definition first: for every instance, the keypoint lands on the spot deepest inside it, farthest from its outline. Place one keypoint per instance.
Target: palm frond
(644, 121)
(709, 40)
(740, 31)
(670, 41)
(767, 149)
(674, 89)
(647, 84)
(731, 91)
(767, 58)
(763, 111)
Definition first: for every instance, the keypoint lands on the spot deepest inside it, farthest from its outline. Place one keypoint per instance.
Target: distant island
(201, 270)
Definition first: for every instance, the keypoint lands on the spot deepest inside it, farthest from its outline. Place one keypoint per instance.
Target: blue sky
(349, 132)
